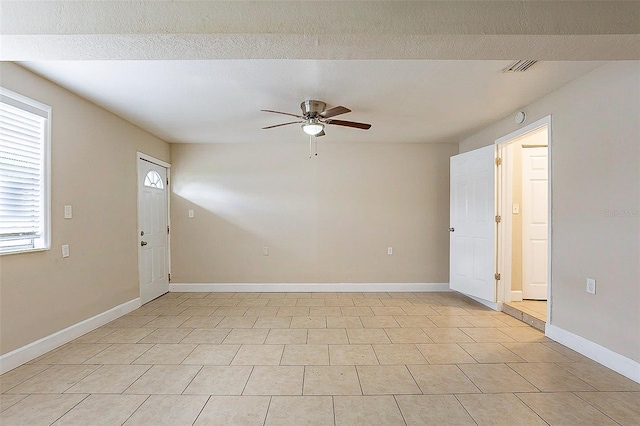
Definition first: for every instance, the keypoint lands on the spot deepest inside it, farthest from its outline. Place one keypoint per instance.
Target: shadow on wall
(212, 247)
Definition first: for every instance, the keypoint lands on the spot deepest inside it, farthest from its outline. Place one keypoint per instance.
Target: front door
(153, 230)
(535, 176)
(472, 252)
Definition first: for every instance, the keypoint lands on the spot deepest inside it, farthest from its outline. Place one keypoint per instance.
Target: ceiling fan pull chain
(316, 145)
(310, 146)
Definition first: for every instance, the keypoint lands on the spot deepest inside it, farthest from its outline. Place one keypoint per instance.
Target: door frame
(158, 162)
(504, 203)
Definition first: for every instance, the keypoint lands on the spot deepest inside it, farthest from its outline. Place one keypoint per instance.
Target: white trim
(613, 360)
(516, 295)
(496, 306)
(46, 172)
(307, 287)
(544, 121)
(504, 199)
(22, 355)
(153, 160)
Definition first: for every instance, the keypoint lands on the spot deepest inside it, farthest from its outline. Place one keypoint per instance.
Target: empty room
(319, 212)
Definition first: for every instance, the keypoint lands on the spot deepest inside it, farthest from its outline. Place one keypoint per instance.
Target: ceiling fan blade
(322, 133)
(335, 111)
(280, 112)
(362, 126)
(283, 124)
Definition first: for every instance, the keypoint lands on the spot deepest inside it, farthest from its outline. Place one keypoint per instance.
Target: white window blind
(24, 215)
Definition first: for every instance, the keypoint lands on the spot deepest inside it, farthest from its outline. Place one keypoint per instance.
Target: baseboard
(22, 355)
(496, 306)
(516, 296)
(308, 287)
(618, 363)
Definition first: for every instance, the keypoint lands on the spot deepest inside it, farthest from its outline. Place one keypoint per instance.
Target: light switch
(265, 251)
(65, 250)
(389, 250)
(68, 212)
(516, 208)
(191, 214)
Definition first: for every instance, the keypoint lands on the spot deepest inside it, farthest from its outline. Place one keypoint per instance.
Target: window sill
(7, 253)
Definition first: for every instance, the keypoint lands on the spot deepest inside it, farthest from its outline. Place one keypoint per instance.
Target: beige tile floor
(315, 359)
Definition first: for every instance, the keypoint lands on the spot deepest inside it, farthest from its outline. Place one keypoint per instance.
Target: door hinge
(167, 181)
(498, 161)
(169, 277)
(498, 218)
(497, 276)
(167, 229)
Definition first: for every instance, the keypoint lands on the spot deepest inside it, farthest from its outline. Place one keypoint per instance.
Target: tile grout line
(333, 406)
(247, 382)
(591, 405)
(149, 367)
(192, 379)
(136, 409)
(28, 378)
(399, 409)
(74, 406)
(527, 405)
(524, 378)
(266, 414)
(201, 410)
(471, 381)
(465, 408)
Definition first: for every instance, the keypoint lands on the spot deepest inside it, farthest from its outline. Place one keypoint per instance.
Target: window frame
(27, 104)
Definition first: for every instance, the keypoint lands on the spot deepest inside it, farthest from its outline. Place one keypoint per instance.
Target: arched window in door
(153, 180)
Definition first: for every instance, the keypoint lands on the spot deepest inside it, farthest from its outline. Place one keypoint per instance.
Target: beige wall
(93, 168)
(325, 219)
(595, 171)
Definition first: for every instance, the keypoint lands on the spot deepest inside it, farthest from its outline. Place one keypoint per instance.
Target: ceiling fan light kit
(312, 128)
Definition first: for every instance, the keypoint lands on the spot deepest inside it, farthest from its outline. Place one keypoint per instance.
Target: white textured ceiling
(219, 101)
(418, 71)
(363, 29)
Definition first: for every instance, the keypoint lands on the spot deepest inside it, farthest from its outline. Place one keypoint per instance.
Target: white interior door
(153, 230)
(473, 230)
(535, 175)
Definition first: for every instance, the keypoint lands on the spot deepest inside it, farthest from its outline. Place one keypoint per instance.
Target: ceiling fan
(315, 116)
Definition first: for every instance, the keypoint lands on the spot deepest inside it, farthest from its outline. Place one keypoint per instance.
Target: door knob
(143, 243)
(452, 229)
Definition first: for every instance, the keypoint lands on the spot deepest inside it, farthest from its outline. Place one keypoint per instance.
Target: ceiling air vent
(520, 66)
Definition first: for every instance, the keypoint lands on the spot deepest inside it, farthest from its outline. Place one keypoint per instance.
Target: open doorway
(523, 203)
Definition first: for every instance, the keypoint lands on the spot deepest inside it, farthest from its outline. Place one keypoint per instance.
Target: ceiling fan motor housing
(312, 108)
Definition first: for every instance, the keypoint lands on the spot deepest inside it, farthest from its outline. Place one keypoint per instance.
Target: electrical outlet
(191, 214)
(65, 250)
(389, 250)
(265, 251)
(591, 286)
(68, 212)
